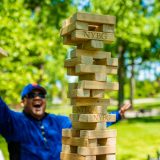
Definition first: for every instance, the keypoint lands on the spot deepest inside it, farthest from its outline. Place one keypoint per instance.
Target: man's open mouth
(37, 105)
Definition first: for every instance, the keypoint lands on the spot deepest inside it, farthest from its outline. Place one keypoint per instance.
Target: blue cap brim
(30, 87)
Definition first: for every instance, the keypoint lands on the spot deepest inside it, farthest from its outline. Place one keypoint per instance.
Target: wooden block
(107, 28)
(94, 27)
(71, 27)
(72, 86)
(89, 125)
(112, 61)
(101, 61)
(96, 150)
(91, 18)
(112, 86)
(92, 142)
(101, 126)
(90, 157)
(67, 22)
(101, 27)
(94, 18)
(78, 93)
(111, 70)
(85, 68)
(82, 69)
(70, 133)
(69, 149)
(67, 40)
(111, 141)
(106, 157)
(89, 102)
(85, 84)
(96, 69)
(94, 77)
(89, 109)
(75, 141)
(107, 141)
(107, 62)
(83, 35)
(102, 142)
(108, 133)
(93, 117)
(79, 60)
(111, 157)
(3, 53)
(97, 93)
(71, 71)
(94, 54)
(92, 45)
(73, 156)
(66, 148)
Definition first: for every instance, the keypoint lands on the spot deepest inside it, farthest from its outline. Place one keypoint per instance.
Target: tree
(136, 30)
(29, 31)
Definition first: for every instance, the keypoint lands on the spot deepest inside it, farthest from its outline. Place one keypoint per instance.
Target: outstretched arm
(6, 119)
(4, 112)
(119, 114)
(123, 109)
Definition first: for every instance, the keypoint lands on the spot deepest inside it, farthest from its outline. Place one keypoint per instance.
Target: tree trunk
(121, 75)
(132, 83)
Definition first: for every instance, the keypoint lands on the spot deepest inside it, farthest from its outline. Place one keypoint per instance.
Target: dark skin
(124, 108)
(35, 106)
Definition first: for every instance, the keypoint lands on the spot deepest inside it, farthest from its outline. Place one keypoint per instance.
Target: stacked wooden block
(89, 139)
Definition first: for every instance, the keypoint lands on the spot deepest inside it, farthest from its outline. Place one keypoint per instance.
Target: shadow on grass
(145, 119)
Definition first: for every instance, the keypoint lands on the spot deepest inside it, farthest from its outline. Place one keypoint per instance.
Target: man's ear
(23, 102)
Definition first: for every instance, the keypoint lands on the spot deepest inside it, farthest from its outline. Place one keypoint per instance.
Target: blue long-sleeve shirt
(36, 139)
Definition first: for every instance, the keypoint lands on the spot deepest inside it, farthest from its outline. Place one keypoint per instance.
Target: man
(35, 134)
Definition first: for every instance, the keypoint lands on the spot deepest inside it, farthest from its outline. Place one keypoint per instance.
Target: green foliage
(29, 31)
(147, 89)
(144, 89)
(134, 26)
(137, 33)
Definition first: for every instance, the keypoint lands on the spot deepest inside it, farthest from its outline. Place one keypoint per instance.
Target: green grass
(137, 138)
(3, 147)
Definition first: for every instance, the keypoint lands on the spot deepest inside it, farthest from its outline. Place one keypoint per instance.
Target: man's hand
(124, 108)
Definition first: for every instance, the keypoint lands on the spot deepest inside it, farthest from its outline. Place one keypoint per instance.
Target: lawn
(135, 140)
(3, 147)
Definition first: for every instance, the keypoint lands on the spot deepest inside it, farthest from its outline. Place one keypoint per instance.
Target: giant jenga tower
(89, 139)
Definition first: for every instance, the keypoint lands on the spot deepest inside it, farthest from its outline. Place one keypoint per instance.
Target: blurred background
(30, 33)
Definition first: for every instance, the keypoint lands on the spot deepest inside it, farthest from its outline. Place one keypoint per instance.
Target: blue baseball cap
(30, 87)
